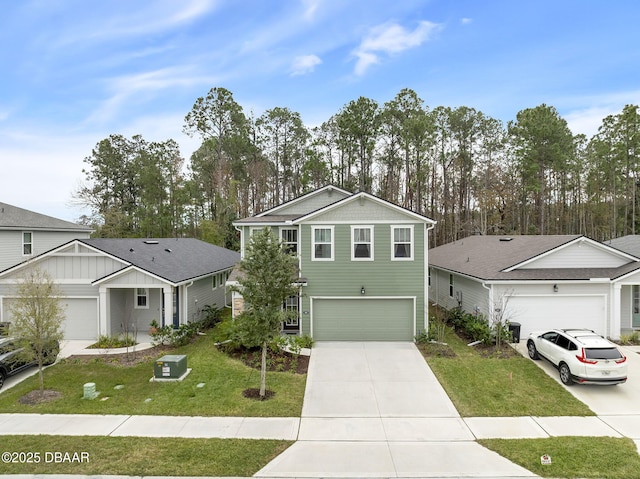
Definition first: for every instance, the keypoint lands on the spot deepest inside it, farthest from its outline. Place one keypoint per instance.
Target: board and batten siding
(42, 241)
(381, 277)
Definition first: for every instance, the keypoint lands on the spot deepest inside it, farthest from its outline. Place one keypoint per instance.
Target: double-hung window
(362, 243)
(27, 243)
(289, 237)
(402, 243)
(322, 247)
(142, 298)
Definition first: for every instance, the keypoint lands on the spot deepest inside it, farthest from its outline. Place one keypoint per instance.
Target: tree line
(471, 173)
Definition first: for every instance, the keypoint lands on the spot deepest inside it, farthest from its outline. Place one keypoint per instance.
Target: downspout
(186, 301)
(426, 276)
(490, 307)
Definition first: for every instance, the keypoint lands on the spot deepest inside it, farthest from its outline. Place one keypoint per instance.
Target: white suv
(580, 355)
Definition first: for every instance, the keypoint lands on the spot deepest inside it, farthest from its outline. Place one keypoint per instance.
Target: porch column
(168, 305)
(103, 311)
(614, 318)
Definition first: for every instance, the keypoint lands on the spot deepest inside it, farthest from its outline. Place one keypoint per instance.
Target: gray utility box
(171, 366)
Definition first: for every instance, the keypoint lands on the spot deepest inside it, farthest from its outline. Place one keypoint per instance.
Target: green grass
(586, 457)
(224, 380)
(138, 456)
(514, 386)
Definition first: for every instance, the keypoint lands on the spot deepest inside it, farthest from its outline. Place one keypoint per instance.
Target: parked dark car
(12, 361)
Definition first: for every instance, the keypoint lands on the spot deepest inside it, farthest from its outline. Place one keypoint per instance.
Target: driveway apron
(375, 409)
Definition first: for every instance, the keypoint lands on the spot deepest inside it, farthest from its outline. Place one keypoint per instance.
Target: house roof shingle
(12, 217)
(174, 259)
(486, 258)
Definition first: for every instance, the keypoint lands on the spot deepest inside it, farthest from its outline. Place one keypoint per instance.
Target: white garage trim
(540, 312)
(413, 299)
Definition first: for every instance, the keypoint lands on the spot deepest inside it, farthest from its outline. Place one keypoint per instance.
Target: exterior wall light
(555, 288)
(362, 291)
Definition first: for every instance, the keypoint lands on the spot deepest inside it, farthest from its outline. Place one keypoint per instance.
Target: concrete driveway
(623, 399)
(374, 409)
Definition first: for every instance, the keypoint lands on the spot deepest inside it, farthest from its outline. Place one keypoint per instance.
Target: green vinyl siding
(381, 277)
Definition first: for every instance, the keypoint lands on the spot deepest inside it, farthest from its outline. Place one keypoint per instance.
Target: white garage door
(536, 313)
(81, 318)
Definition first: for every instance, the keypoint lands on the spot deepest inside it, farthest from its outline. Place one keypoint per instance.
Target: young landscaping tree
(268, 272)
(37, 314)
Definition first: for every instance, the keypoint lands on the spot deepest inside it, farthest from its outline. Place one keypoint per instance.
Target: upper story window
(322, 239)
(27, 243)
(289, 237)
(142, 298)
(362, 243)
(402, 243)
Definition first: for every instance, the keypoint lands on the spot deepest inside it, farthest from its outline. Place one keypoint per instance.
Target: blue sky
(76, 71)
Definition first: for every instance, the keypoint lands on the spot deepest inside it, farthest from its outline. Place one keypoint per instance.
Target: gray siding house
(362, 262)
(25, 234)
(112, 285)
(541, 282)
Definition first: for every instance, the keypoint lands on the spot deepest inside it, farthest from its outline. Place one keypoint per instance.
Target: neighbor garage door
(81, 317)
(549, 312)
(363, 319)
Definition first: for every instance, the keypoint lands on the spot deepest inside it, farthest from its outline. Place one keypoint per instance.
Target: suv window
(564, 342)
(602, 353)
(550, 336)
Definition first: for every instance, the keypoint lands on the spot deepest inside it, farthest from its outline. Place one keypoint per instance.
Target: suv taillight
(583, 359)
(621, 360)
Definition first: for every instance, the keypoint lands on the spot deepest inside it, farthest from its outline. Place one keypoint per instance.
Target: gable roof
(629, 244)
(174, 259)
(12, 217)
(306, 196)
(272, 217)
(497, 257)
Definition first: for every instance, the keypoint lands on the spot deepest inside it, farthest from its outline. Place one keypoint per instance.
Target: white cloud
(304, 64)
(466, 20)
(390, 38)
(310, 8)
(145, 84)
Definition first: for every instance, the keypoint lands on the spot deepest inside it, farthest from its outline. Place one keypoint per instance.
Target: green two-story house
(363, 265)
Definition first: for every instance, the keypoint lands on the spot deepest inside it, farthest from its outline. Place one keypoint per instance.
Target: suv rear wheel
(565, 374)
(2, 377)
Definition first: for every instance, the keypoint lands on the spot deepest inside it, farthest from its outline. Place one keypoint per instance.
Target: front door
(635, 307)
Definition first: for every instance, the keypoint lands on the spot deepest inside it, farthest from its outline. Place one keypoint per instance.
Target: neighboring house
(540, 282)
(25, 234)
(114, 284)
(362, 265)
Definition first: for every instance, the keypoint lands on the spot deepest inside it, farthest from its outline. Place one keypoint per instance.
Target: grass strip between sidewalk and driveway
(136, 456)
(481, 385)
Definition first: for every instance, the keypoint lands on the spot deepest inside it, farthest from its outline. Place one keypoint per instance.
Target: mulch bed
(436, 350)
(281, 361)
(38, 397)
(122, 359)
(254, 393)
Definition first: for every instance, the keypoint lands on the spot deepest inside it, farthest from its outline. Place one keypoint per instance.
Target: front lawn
(137, 456)
(587, 457)
(213, 388)
(485, 385)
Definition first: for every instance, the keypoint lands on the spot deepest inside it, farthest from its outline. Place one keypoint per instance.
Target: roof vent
(506, 239)
(167, 250)
(151, 242)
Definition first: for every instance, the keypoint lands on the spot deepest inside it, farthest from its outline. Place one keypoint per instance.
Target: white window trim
(411, 242)
(23, 243)
(313, 242)
(287, 228)
(214, 281)
(353, 228)
(135, 298)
